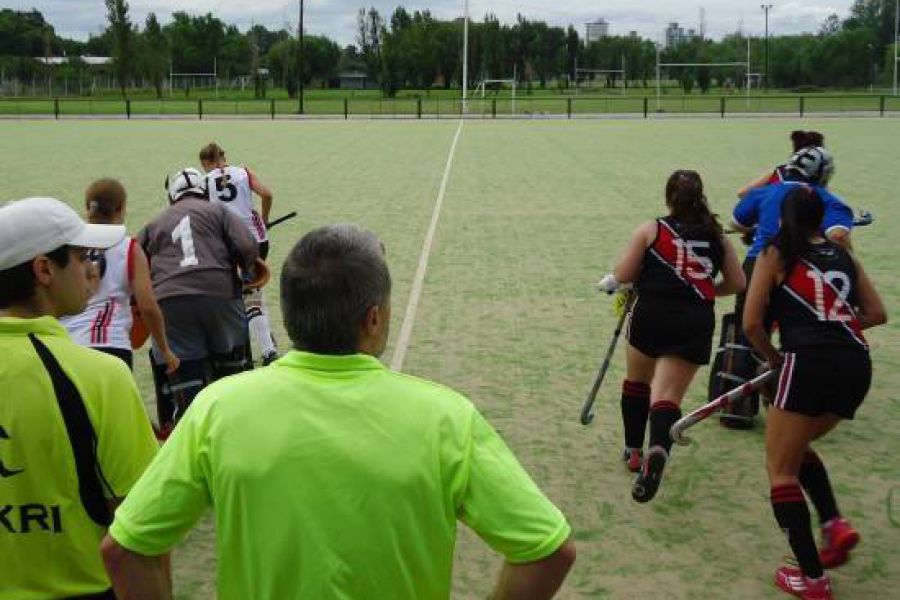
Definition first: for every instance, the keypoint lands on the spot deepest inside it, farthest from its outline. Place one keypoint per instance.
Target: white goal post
(748, 75)
(193, 78)
(482, 85)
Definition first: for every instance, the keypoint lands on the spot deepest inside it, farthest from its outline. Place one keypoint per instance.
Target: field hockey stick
(587, 411)
(687, 421)
(281, 219)
(865, 218)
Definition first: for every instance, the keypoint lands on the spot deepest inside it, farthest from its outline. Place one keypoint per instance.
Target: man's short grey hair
(331, 277)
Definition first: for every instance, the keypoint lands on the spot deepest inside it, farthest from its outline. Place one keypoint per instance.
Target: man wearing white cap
(74, 436)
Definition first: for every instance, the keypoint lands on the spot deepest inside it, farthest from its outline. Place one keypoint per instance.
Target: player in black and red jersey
(799, 140)
(822, 299)
(673, 262)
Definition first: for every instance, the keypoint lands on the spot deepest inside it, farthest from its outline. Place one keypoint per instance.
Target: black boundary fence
(475, 108)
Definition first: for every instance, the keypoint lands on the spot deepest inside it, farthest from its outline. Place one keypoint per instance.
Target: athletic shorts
(126, 356)
(198, 327)
(661, 326)
(824, 379)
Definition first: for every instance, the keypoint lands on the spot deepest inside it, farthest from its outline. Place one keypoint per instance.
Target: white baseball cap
(35, 226)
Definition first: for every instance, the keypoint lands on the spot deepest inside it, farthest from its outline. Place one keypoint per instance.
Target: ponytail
(687, 205)
(801, 218)
(103, 199)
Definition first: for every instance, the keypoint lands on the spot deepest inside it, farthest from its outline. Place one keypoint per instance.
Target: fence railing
(475, 108)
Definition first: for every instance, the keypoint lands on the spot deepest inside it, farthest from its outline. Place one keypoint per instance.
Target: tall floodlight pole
(658, 91)
(896, 41)
(766, 8)
(302, 56)
(465, 65)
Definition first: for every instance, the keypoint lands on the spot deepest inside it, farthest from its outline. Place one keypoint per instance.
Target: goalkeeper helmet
(815, 164)
(188, 181)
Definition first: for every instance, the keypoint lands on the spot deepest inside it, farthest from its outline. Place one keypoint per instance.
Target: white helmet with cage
(187, 181)
(815, 163)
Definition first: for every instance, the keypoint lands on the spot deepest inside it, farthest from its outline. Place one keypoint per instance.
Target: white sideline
(416, 291)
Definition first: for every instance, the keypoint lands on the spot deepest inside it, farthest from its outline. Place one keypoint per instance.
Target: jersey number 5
(183, 234)
(225, 190)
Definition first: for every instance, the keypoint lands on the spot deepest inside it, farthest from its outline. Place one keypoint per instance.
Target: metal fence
(476, 108)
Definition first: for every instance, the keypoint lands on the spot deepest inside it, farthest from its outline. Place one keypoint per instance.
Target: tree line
(418, 51)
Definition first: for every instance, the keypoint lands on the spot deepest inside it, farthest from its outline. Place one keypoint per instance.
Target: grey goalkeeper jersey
(194, 248)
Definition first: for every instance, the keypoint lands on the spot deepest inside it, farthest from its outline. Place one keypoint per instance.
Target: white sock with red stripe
(262, 333)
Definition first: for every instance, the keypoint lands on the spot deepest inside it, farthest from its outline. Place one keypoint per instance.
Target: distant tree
(154, 53)
(704, 79)
(830, 25)
(123, 46)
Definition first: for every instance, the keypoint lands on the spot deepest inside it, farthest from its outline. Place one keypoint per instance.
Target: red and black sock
(792, 515)
(663, 415)
(635, 408)
(814, 479)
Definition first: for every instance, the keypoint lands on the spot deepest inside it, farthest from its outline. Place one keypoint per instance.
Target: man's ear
(43, 272)
(372, 320)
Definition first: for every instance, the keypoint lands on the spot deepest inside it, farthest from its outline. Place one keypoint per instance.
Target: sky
(337, 18)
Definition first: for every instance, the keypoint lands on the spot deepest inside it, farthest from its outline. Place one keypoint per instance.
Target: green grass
(534, 213)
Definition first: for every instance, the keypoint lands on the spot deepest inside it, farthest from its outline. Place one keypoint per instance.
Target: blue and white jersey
(761, 208)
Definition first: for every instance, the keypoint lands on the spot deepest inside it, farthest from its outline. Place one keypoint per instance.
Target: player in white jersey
(123, 274)
(234, 187)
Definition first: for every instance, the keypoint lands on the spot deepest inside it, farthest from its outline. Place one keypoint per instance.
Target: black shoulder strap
(81, 437)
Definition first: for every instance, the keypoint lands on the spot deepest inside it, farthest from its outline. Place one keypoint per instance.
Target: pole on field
(748, 73)
(896, 41)
(657, 76)
(465, 65)
(766, 8)
(302, 56)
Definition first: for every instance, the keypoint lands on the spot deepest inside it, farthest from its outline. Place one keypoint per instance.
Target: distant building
(597, 30)
(355, 80)
(91, 61)
(676, 35)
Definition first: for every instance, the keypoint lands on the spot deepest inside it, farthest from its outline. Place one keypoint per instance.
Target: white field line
(418, 281)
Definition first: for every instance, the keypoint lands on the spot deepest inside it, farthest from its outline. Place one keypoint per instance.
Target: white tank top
(106, 322)
(231, 186)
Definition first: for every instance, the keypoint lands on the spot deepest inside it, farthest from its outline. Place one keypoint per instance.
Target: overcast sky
(336, 18)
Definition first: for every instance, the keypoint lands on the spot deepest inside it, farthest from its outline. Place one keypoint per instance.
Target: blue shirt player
(759, 213)
(761, 207)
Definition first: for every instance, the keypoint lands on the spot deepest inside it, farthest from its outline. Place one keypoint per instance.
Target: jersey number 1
(183, 233)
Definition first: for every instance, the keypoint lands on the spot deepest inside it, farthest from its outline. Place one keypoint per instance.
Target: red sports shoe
(838, 539)
(633, 459)
(794, 582)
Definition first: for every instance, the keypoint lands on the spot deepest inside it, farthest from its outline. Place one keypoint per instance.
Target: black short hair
(331, 277)
(17, 284)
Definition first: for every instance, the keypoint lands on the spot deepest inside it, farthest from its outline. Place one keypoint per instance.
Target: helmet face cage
(815, 163)
(187, 181)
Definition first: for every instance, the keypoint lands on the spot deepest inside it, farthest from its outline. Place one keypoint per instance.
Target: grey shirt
(194, 248)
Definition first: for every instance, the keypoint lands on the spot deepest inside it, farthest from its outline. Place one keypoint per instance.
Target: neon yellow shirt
(48, 543)
(333, 477)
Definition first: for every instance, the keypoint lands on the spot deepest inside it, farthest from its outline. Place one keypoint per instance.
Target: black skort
(662, 326)
(818, 380)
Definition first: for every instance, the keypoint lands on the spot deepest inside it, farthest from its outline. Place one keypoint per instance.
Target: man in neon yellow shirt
(331, 476)
(74, 436)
